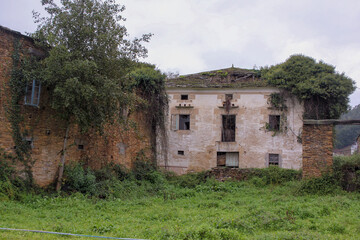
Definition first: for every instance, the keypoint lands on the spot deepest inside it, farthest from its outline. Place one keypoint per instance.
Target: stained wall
(253, 141)
(118, 144)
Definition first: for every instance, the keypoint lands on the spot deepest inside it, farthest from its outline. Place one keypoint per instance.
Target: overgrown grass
(210, 210)
(150, 204)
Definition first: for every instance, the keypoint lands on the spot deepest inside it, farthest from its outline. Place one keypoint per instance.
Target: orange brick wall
(118, 144)
(317, 143)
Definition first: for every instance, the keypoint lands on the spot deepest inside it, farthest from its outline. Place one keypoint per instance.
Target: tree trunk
(62, 160)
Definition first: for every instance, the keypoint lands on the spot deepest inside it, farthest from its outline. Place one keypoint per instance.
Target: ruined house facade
(45, 131)
(226, 118)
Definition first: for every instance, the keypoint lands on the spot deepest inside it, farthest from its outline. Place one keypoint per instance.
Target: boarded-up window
(274, 122)
(228, 128)
(180, 122)
(274, 159)
(228, 159)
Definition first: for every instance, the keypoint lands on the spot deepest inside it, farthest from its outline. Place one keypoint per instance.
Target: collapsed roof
(224, 78)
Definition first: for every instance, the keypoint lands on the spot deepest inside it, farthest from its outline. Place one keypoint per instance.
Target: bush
(271, 175)
(143, 167)
(326, 184)
(76, 178)
(6, 171)
(347, 171)
(190, 180)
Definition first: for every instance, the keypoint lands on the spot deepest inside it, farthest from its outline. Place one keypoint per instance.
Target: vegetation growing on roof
(325, 92)
(223, 78)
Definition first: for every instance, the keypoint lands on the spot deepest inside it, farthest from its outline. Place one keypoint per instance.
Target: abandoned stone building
(230, 118)
(45, 131)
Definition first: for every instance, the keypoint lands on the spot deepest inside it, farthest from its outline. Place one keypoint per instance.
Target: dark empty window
(184, 97)
(228, 97)
(32, 93)
(274, 122)
(228, 128)
(273, 159)
(180, 152)
(80, 147)
(184, 122)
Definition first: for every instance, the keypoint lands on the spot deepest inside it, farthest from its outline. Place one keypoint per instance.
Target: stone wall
(118, 143)
(317, 140)
(197, 148)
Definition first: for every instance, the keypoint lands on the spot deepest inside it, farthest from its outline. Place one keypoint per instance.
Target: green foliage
(79, 91)
(6, 170)
(326, 184)
(88, 58)
(347, 134)
(150, 84)
(20, 76)
(76, 178)
(347, 171)
(277, 101)
(227, 210)
(325, 92)
(190, 180)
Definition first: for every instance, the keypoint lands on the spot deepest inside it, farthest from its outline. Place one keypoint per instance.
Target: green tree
(87, 59)
(325, 92)
(347, 134)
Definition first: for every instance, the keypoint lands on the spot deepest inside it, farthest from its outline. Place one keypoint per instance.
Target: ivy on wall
(17, 87)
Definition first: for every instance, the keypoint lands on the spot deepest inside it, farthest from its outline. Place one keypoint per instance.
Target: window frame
(184, 97)
(232, 136)
(228, 159)
(35, 84)
(184, 124)
(274, 125)
(176, 123)
(273, 163)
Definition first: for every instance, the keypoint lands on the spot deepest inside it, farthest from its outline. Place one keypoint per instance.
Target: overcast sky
(200, 35)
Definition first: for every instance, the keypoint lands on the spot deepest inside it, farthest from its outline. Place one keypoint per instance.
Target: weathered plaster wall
(118, 144)
(253, 142)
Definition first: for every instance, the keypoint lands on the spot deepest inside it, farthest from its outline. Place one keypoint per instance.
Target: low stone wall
(224, 173)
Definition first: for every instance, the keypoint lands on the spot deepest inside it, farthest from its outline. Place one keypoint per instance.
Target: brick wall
(317, 140)
(118, 144)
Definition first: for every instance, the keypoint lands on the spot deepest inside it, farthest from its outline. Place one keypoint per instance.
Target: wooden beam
(331, 121)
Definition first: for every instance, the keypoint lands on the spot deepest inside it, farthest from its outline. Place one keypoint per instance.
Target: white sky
(200, 35)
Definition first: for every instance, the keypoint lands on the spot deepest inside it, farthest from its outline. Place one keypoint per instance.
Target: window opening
(80, 147)
(228, 128)
(184, 97)
(184, 122)
(32, 93)
(228, 159)
(228, 97)
(274, 122)
(273, 159)
(181, 153)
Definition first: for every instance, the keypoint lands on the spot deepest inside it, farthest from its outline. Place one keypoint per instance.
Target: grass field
(212, 210)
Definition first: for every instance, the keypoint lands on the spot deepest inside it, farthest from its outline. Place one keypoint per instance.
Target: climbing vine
(17, 86)
(150, 84)
(277, 101)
